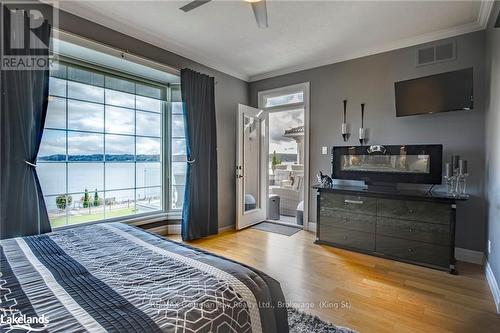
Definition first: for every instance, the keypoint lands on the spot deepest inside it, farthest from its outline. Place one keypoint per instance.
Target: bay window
(113, 146)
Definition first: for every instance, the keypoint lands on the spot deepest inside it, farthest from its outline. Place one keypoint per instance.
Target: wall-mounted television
(417, 164)
(450, 91)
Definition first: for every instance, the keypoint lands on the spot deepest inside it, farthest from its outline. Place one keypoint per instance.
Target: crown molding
(485, 12)
(481, 23)
(157, 41)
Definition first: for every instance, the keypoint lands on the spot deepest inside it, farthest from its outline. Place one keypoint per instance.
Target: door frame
(305, 88)
(258, 214)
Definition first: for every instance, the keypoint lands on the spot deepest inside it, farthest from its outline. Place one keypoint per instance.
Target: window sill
(136, 221)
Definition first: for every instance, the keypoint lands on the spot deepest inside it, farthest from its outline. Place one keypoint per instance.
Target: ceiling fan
(258, 6)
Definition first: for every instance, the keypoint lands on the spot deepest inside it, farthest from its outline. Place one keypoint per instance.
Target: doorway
(286, 166)
(287, 150)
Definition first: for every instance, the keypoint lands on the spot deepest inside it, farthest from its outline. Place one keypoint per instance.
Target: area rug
(300, 322)
(277, 228)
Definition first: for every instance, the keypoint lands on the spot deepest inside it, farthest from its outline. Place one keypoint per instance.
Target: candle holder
(462, 185)
(450, 184)
(456, 177)
(456, 187)
(362, 131)
(345, 127)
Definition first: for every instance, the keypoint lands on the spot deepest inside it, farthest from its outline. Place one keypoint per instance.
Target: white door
(251, 203)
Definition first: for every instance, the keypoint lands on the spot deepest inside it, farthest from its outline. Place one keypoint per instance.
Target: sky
(88, 116)
(278, 123)
(92, 115)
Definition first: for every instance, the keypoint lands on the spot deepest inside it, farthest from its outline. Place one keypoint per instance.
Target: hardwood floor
(362, 292)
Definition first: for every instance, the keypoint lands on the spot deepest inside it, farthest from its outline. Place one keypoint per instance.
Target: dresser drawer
(345, 237)
(349, 203)
(421, 211)
(423, 232)
(412, 250)
(351, 221)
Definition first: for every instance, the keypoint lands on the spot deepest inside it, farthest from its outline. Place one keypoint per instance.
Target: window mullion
(67, 143)
(167, 161)
(73, 215)
(104, 192)
(135, 148)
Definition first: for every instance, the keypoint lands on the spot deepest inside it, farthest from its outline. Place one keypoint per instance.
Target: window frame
(263, 96)
(166, 211)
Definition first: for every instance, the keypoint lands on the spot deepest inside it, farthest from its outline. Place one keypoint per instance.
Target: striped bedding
(111, 277)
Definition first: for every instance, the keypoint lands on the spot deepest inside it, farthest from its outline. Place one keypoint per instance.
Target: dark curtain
(24, 102)
(199, 215)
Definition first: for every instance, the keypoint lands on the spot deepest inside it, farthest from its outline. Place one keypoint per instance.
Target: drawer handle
(410, 250)
(411, 211)
(344, 237)
(356, 202)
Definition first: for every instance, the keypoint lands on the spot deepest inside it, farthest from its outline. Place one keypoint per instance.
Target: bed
(112, 277)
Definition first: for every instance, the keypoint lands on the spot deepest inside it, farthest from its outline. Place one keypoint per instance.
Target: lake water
(112, 180)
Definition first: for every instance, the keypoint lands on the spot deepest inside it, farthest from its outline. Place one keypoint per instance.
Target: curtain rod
(111, 50)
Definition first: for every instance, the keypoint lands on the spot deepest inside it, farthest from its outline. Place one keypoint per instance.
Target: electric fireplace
(391, 164)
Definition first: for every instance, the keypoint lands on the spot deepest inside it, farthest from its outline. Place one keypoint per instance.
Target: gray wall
(229, 92)
(371, 80)
(492, 180)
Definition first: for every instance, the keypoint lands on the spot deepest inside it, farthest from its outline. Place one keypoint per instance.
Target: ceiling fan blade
(260, 12)
(193, 4)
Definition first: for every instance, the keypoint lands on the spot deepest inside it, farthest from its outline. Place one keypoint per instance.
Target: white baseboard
(227, 228)
(161, 230)
(470, 256)
(495, 290)
(174, 229)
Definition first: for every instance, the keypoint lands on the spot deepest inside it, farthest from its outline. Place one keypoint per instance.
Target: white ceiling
(301, 34)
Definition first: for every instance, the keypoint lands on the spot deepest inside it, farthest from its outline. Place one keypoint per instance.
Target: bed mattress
(112, 277)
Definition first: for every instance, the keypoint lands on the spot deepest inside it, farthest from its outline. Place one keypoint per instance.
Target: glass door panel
(251, 162)
(250, 167)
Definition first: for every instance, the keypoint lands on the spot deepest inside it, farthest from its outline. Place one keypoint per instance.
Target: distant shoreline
(285, 157)
(131, 158)
(100, 158)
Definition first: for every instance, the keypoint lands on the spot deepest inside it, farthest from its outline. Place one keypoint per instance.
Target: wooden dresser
(414, 227)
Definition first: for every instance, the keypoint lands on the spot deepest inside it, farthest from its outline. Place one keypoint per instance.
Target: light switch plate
(324, 150)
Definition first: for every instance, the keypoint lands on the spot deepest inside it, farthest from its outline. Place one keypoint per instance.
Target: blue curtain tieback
(30, 164)
(191, 161)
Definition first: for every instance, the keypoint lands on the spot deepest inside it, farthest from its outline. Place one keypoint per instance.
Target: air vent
(426, 55)
(436, 53)
(445, 52)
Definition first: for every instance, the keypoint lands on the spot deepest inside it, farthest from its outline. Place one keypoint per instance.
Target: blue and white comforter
(111, 277)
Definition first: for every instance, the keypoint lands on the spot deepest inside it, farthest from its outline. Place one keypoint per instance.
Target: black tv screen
(451, 91)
